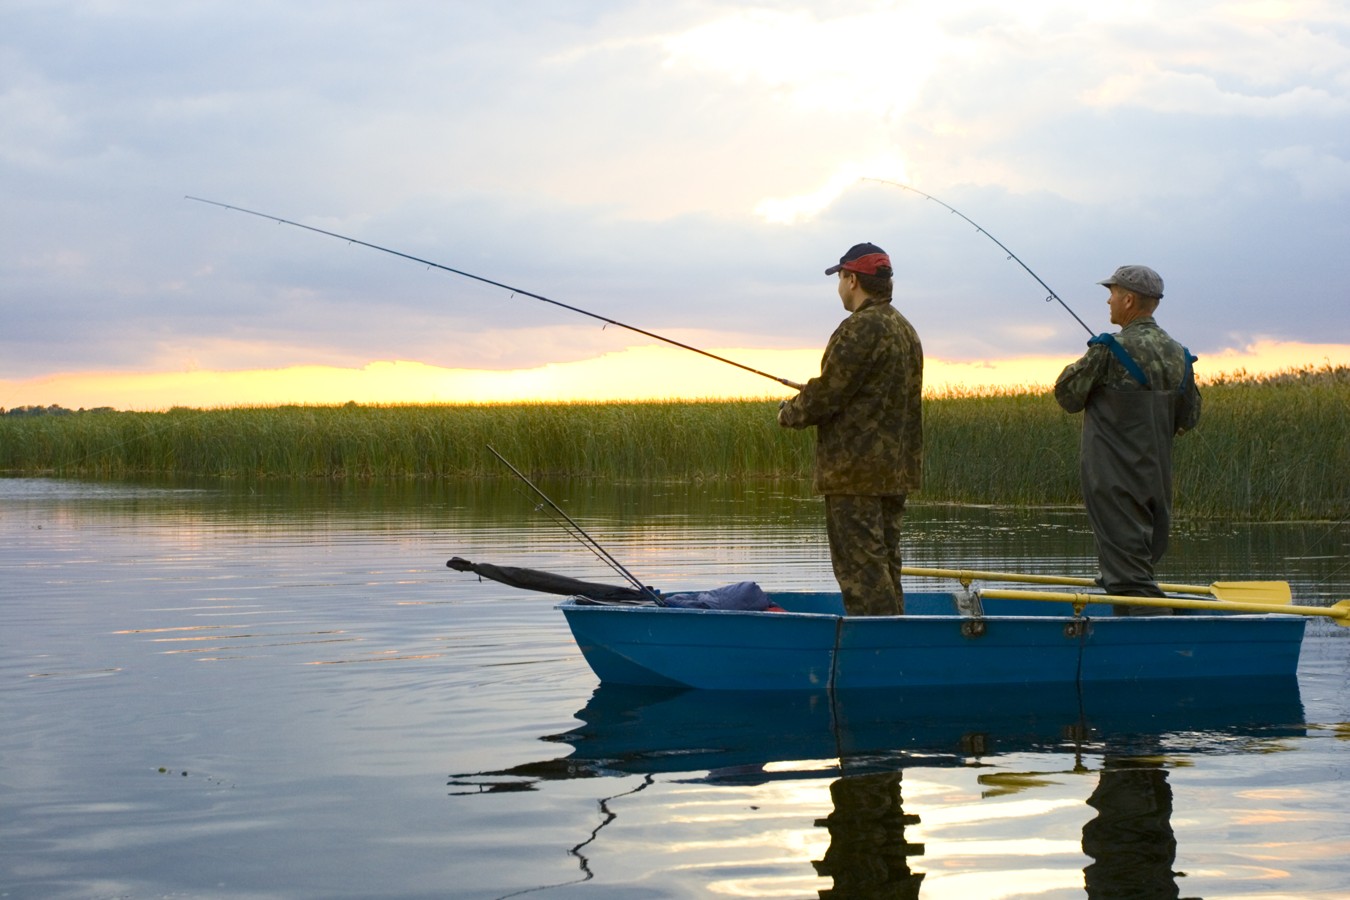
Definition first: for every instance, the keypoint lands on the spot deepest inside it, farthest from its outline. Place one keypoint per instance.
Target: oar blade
(1253, 592)
(1340, 613)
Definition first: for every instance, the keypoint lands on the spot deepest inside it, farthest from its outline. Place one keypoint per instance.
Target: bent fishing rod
(506, 287)
(1011, 255)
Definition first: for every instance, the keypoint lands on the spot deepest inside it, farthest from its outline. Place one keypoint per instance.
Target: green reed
(1266, 448)
(630, 441)
(1271, 448)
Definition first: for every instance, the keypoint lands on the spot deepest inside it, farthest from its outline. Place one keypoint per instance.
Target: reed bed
(625, 441)
(1267, 448)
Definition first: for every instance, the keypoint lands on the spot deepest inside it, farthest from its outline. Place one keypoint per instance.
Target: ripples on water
(281, 691)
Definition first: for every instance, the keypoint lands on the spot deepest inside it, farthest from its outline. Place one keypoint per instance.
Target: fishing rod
(580, 534)
(1011, 255)
(507, 287)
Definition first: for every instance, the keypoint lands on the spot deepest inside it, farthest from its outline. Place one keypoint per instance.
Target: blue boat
(813, 645)
(741, 638)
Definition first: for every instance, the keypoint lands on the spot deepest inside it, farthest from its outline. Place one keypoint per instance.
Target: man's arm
(841, 370)
(1078, 379)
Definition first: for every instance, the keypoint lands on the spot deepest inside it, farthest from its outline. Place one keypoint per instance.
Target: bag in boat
(746, 595)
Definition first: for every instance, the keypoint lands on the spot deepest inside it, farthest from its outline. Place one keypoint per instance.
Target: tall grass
(1266, 448)
(630, 441)
(1276, 447)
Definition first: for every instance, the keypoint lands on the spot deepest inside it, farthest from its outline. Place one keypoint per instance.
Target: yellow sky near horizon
(635, 373)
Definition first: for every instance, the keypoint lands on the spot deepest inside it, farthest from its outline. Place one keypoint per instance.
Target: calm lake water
(280, 691)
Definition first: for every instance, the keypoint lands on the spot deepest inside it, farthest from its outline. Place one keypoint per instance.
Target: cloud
(686, 167)
(1318, 172)
(1202, 95)
(819, 64)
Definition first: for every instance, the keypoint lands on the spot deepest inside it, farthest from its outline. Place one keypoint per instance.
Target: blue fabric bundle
(743, 595)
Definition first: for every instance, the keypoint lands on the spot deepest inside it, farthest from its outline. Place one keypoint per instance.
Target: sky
(686, 167)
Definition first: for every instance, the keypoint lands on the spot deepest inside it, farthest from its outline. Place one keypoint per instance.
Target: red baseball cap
(864, 259)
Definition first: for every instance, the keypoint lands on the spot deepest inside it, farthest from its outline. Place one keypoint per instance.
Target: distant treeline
(51, 411)
(1272, 447)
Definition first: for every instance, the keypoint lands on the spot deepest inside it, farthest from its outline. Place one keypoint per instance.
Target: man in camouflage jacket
(1137, 391)
(869, 432)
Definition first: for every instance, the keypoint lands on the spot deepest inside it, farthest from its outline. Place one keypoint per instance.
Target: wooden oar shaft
(1340, 612)
(968, 575)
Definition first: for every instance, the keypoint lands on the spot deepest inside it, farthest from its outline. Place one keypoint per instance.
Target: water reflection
(863, 741)
(668, 532)
(868, 856)
(1130, 840)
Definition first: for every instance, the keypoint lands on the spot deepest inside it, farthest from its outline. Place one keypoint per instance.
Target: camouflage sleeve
(1078, 379)
(845, 365)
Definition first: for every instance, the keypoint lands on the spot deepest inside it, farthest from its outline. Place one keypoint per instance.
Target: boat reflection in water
(864, 740)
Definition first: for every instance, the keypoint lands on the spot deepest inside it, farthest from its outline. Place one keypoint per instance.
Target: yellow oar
(1232, 591)
(1338, 613)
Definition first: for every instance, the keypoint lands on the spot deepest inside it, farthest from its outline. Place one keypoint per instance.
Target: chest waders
(1126, 469)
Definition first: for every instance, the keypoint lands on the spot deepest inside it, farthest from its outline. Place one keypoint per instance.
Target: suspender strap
(1109, 341)
(1186, 379)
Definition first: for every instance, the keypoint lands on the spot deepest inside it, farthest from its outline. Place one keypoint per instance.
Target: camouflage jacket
(866, 406)
(1161, 359)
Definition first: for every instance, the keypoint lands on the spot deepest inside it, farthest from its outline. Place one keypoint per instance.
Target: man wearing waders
(1137, 391)
(865, 406)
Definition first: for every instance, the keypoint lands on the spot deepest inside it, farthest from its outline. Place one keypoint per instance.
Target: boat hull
(812, 646)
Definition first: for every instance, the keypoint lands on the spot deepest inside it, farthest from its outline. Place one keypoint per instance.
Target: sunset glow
(636, 373)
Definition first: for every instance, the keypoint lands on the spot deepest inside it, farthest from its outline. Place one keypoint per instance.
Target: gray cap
(1140, 279)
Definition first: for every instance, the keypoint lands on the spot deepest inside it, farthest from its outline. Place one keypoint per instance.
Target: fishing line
(580, 533)
(1013, 256)
(1330, 530)
(506, 287)
(582, 860)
